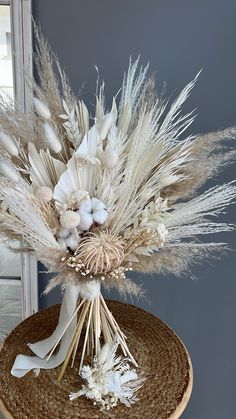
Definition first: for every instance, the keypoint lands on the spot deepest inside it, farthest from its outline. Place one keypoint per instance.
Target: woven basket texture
(161, 355)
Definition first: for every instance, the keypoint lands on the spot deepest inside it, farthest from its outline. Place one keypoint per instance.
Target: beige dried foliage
(177, 260)
(209, 153)
(50, 215)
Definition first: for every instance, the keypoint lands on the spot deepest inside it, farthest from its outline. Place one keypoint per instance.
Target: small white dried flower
(64, 233)
(41, 109)
(73, 241)
(8, 144)
(109, 380)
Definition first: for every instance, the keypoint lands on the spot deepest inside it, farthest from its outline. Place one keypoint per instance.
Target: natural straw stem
(75, 338)
(86, 335)
(117, 331)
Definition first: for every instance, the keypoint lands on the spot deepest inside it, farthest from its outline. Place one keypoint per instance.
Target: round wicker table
(160, 354)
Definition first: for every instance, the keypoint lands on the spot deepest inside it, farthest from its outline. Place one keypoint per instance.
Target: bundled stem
(99, 325)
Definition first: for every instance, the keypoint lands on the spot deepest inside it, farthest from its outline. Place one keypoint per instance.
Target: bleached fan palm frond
(45, 170)
(81, 169)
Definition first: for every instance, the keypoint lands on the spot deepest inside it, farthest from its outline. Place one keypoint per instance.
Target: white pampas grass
(41, 109)
(70, 219)
(9, 171)
(8, 144)
(53, 141)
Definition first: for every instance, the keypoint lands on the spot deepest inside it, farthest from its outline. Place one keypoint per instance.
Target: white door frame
(21, 29)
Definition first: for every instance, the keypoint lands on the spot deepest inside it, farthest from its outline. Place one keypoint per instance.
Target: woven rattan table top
(160, 353)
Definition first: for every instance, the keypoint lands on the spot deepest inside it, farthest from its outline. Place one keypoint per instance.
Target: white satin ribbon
(23, 364)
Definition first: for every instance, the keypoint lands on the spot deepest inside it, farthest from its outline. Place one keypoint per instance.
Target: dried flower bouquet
(97, 196)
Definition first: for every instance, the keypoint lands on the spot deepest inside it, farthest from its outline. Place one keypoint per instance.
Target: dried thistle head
(100, 252)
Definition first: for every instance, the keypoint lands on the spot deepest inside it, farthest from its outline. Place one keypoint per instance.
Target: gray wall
(177, 38)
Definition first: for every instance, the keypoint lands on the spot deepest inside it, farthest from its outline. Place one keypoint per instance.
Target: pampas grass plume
(8, 144)
(41, 109)
(52, 138)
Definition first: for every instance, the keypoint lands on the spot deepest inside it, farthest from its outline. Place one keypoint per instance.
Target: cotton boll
(100, 217)
(44, 194)
(41, 109)
(52, 138)
(96, 204)
(8, 144)
(86, 220)
(168, 180)
(9, 171)
(86, 205)
(73, 241)
(70, 219)
(62, 243)
(90, 290)
(64, 233)
(109, 158)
